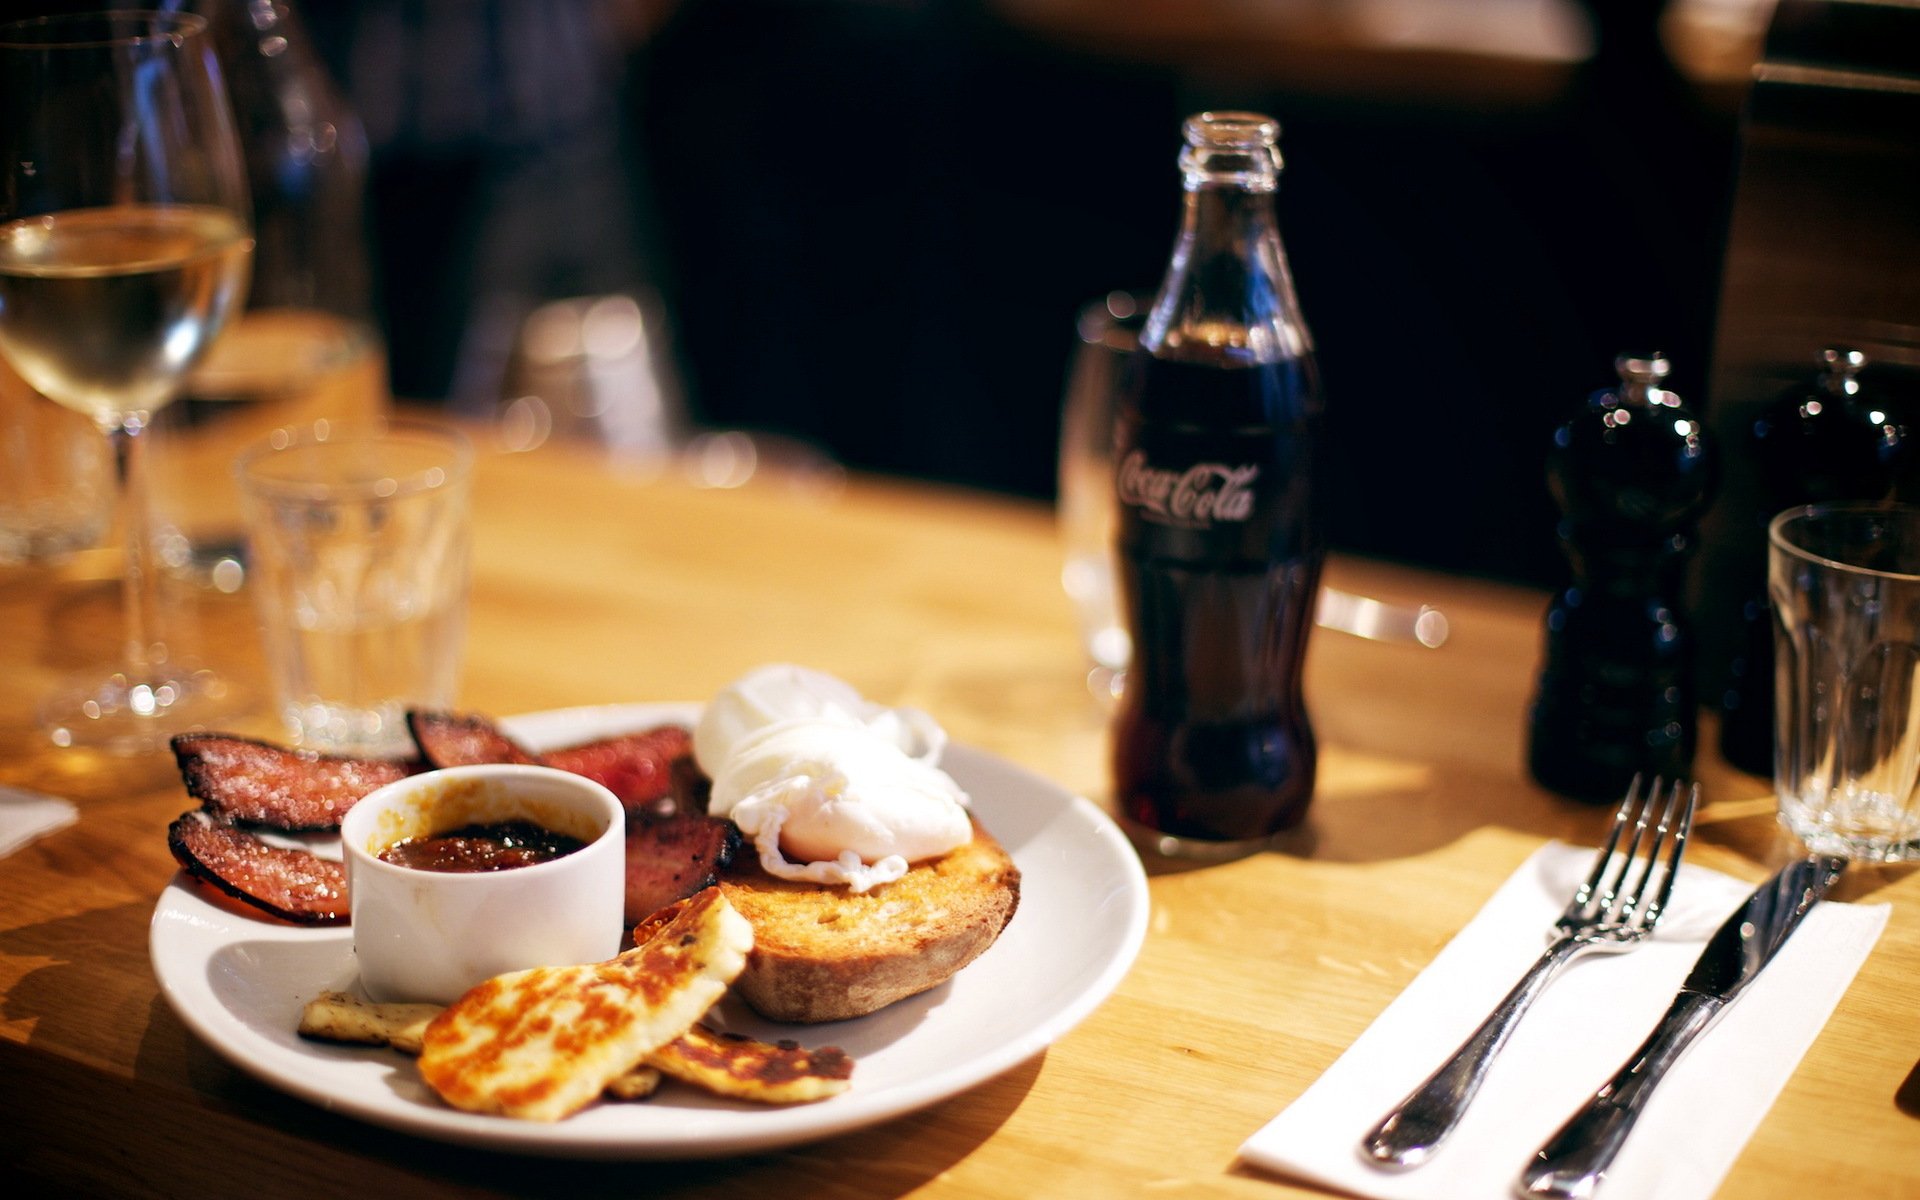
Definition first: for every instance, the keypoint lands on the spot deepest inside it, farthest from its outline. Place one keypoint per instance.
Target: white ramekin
(432, 935)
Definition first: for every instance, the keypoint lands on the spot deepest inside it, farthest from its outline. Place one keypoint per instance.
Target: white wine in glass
(125, 243)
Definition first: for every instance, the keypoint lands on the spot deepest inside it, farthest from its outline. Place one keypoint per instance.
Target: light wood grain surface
(595, 584)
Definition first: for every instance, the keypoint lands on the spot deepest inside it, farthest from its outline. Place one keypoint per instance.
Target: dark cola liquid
(1220, 551)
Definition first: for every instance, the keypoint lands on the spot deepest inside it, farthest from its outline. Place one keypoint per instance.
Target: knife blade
(1573, 1162)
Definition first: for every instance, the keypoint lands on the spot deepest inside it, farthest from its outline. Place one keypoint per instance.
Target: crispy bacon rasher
(259, 783)
(673, 848)
(461, 740)
(299, 791)
(293, 885)
(637, 767)
(671, 857)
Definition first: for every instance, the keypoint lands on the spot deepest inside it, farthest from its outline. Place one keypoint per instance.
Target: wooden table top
(596, 584)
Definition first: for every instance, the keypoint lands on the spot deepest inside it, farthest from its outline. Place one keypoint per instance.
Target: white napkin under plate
(26, 815)
(1579, 1032)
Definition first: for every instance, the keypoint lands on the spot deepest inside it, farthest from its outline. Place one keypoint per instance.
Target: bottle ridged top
(1239, 148)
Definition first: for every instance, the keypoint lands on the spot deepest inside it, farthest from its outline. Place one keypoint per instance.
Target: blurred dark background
(882, 218)
(869, 224)
(872, 222)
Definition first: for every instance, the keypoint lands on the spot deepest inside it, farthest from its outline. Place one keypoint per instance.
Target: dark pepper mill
(1631, 473)
(1829, 438)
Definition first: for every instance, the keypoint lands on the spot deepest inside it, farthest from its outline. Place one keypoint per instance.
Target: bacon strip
(691, 787)
(458, 740)
(262, 784)
(637, 767)
(290, 884)
(299, 791)
(644, 769)
(672, 857)
(673, 849)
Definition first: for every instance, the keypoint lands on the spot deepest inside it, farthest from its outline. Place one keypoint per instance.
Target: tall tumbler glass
(56, 476)
(1109, 333)
(1844, 580)
(359, 543)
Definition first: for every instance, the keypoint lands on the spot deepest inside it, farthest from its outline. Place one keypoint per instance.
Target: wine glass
(125, 242)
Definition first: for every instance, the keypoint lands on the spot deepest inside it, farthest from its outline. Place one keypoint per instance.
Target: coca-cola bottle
(1220, 536)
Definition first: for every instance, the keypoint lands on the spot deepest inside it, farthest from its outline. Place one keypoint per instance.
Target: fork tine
(1680, 832)
(1632, 910)
(1616, 901)
(1604, 858)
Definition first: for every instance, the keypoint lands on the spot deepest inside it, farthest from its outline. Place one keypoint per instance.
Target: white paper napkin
(1580, 1031)
(26, 815)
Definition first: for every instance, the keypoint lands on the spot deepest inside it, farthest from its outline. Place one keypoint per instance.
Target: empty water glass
(56, 478)
(1844, 581)
(1109, 330)
(359, 544)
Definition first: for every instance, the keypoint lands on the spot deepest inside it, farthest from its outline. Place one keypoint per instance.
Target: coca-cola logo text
(1199, 495)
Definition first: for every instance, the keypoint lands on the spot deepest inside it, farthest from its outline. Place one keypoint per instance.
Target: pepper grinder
(1631, 473)
(1826, 439)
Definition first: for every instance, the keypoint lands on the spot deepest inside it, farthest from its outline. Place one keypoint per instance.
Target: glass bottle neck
(1228, 294)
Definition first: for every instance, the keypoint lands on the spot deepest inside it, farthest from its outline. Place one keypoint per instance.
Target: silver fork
(1608, 912)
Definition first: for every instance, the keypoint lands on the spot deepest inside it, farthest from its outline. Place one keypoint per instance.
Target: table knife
(1573, 1161)
(1379, 621)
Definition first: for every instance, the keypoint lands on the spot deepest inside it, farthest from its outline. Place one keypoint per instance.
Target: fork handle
(1407, 1136)
(1573, 1161)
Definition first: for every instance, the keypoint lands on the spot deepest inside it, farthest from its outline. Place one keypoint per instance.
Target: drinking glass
(55, 483)
(359, 544)
(1109, 332)
(1844, 581)
(125, 240)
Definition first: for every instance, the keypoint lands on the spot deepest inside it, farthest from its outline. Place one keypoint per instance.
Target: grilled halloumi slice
(542, 1043)
(342, 1017)
(637, 1083)
(728, 1064)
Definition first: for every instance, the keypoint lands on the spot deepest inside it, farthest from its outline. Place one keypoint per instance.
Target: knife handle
(1573, 1161)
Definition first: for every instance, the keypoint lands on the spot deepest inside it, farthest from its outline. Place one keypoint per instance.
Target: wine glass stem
(139, 587)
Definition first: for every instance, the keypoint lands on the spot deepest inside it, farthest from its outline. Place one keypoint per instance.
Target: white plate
(240, 984)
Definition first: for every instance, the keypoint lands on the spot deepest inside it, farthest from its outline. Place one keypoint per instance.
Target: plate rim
(187, 990)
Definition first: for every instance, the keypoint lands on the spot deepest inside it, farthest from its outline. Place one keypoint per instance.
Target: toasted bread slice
(825, 953)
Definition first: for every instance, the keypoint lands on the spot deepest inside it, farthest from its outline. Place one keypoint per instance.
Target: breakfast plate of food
(1051, 902)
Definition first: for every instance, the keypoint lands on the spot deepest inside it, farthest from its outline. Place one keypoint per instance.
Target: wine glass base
(118, 715)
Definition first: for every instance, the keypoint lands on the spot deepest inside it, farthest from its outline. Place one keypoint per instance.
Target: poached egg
(830, 788)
